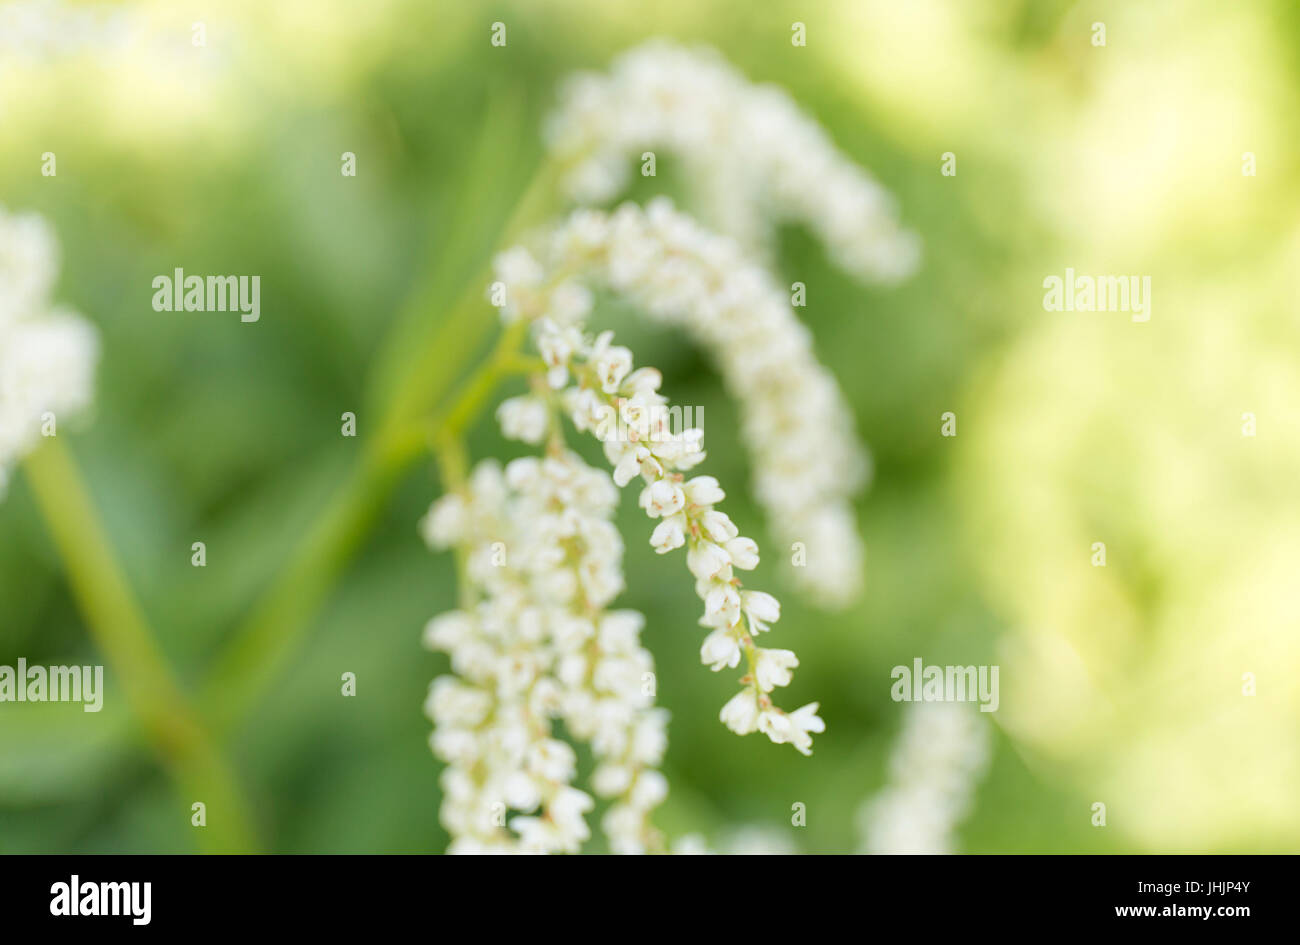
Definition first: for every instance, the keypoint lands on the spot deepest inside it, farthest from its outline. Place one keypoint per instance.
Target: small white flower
(517, 266)
(642, 381)
(662, 498)
(740, 714)
(669, 534)
(762, 609)
(523, 418)
(552, 759)
(743, 552)
(556, 343)
(612, 363)
(772, 668)
(719, 650)
(650, 790)
(792, 727)
(570, 302)
(444, 522)
(704, 490)
(452, 703)
(718, 527)
(611, 780)
(722, 606)
(448, 631)
(620, 631)
(707, 560)
(627, 466)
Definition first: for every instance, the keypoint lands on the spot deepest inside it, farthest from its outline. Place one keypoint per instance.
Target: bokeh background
(1120, 684)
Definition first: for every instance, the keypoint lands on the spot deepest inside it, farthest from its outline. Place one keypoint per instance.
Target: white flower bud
(722, 603)
(612, 366)
(662, 497)
(649, 791)
(704, 490)
(669, 534)
(523, 418)
(718, 526)
(446, 632)
(740, 714)
(707, 560)
(719, 650)
(743, 552)
(761, 608)
(772, 668)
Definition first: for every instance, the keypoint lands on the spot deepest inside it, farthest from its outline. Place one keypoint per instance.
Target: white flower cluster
(534, 643)
(940, 755)
(47, 354)
(807, 460)
(597, 386)
(753, 158)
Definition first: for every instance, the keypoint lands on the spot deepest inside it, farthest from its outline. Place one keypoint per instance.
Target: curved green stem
(277, 624)
(119, 629)
(281, 617)
(468, 403)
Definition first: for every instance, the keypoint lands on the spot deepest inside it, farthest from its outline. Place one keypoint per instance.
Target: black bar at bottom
(367, 894)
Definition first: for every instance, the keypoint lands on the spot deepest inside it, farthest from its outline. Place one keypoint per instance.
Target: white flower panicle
(47, 353)
(534, 642)
(598, 387)
(753, 158)
(938, 759)
(807, 460)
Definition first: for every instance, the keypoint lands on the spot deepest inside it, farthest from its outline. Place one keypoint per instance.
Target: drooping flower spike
(535, 643)
(939, 758)
(790, 407)
(752, 158)
(669, 266)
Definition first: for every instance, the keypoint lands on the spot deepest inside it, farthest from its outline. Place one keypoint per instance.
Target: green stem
(453, 462)
(281, 617)
(120, 631)
(472, 397)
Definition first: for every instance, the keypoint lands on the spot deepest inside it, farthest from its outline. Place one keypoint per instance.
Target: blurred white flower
(535, 644)
(523, 418)
(47, 354)
(938, 759)
(753, 158)
(795, 727)
(773, 668)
